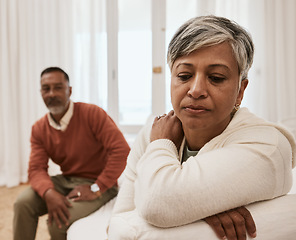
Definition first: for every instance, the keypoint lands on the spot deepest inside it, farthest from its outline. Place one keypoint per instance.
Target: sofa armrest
(275, 219)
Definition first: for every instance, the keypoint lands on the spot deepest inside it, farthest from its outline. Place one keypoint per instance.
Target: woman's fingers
(216, 225)
(233, 224)
(249, 221)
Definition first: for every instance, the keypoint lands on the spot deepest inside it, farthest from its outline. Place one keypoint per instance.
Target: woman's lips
(196, 109)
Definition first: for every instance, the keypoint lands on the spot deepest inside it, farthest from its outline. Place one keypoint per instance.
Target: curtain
(277, 96)
(36, 34)
(272, 87)
(280, 55)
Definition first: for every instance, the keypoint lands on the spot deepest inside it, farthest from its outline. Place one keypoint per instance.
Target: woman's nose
(198, 87)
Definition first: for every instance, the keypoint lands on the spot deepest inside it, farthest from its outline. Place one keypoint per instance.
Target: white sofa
(274, 219)
(92, 227)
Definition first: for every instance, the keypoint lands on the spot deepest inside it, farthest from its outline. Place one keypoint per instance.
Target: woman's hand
(233, 224)
(167, 126)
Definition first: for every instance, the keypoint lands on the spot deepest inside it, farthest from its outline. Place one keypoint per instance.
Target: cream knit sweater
(250, 161)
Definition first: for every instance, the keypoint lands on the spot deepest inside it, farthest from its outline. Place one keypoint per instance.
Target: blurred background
(115, 54)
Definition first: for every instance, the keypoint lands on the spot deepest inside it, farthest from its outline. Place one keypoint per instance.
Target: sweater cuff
(42, 190)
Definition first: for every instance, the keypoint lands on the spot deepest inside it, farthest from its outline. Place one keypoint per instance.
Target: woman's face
(205, 88)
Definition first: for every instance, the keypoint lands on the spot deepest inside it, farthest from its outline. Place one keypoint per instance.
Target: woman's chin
(195, 124)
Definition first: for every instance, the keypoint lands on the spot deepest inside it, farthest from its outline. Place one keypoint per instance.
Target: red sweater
(91, 147)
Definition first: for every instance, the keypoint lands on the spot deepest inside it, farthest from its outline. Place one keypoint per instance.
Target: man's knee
(57, 233)
(23, 200)
(30, 202)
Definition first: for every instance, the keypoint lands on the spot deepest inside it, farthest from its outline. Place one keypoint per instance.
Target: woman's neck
(197, 138)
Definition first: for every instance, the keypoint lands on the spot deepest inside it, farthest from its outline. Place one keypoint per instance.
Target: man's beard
(56, 109)
(55, 106)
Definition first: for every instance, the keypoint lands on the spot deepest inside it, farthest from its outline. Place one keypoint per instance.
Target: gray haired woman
(207, 158)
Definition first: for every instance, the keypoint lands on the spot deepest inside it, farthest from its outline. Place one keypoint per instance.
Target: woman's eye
(216, 79)
(184, 77)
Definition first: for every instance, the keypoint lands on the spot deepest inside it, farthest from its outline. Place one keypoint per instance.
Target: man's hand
(233, 224)
(167, 127)
(82, 193)
(57, 206)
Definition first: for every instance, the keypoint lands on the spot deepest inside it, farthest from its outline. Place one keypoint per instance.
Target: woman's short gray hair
(210, 30)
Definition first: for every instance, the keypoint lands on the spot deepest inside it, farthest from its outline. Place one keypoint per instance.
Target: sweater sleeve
(38, 163)
(116, 146)
(243, 171)
(125, 199)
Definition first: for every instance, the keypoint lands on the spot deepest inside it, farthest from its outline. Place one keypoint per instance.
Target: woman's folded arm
(168, 194)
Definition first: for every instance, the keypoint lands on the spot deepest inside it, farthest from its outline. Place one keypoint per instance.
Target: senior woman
(208, 155)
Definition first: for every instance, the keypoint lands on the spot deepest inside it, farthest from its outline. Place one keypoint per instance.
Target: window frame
(158, 26)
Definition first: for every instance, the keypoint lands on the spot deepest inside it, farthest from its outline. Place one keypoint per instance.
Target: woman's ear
(240, 95)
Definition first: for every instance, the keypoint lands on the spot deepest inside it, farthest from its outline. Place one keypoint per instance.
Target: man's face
(56, 92)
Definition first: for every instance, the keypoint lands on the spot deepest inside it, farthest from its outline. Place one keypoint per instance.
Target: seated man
(90, 150)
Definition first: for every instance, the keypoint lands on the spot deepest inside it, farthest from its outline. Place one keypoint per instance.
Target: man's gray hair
(210, 30)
